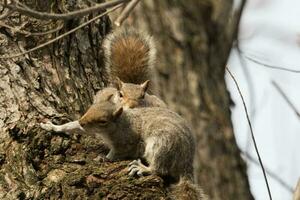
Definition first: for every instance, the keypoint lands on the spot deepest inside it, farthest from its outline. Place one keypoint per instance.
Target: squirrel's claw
(135, 162)
(137, 167)
(48, 126)
(133, 171)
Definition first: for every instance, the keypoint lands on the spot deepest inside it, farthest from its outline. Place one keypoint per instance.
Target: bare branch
(289, 102)
(270, 173)
(64, 16)
(5, 14)
(61, 36)
(125, 13)
(237, 21)
(252, 132)
(48, 32)
(255, 60)
(234, 38)
(15, 29)
(233, 33)
(28, 33)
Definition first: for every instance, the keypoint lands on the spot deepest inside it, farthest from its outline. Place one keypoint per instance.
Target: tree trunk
(297, 191)
(194, 40)
(59, 81)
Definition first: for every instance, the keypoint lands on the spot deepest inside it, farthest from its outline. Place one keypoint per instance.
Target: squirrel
(129, 61)
(135, 95)
(158, 135)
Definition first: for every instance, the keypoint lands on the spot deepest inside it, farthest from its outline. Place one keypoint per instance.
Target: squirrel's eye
(121, 94)
(102, 122)
(142, 96)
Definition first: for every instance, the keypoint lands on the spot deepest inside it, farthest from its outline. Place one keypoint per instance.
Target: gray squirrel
(129, 61)
(130, 95)
(158, 135)
(136, 125)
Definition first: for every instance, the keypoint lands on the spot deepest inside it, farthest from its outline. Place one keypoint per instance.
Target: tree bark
(297, 191)
(59, 81)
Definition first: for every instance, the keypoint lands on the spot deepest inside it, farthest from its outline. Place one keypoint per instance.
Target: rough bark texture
(58, 83)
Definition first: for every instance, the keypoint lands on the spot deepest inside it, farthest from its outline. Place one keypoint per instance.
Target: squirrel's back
(130, 55)
(155, 116)
(168, 139)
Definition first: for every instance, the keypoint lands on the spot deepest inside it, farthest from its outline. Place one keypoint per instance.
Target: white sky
(270, 32)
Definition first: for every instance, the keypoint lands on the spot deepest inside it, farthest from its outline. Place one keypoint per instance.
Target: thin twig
(237, 20)
(289, 102)
(63, 16)
(4, 3)
(245, 68)
(6, 14)
(61, 36)
(14, 29)
(270, 173)
(252, 132)
(48, 32)
(28, 33)
(235, 39)
(242, 61)
(125, 13)
(255, 60)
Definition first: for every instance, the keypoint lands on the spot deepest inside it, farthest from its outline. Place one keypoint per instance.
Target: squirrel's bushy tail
(185, 189)
(129, 55)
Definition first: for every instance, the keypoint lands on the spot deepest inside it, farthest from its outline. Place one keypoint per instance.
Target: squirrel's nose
(126, 107)
(129, 103)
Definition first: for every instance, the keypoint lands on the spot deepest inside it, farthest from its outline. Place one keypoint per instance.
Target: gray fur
(156, 134)
(123, 33)
(103, 94)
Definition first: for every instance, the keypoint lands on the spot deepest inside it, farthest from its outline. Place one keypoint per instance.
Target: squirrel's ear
(145, 85)
(117, 112)
(109, 97)
(118, 83)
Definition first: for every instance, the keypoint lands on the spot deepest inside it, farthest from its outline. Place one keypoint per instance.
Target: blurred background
(269, 35)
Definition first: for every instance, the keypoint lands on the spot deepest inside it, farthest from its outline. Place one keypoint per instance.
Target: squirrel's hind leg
(112, 155)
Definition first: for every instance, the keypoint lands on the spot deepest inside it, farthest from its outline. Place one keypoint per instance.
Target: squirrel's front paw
(137, 167)
(48, 126)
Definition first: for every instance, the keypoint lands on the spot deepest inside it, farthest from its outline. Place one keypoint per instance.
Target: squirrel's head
(131, 95)
(101, 116)
(107, 94)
